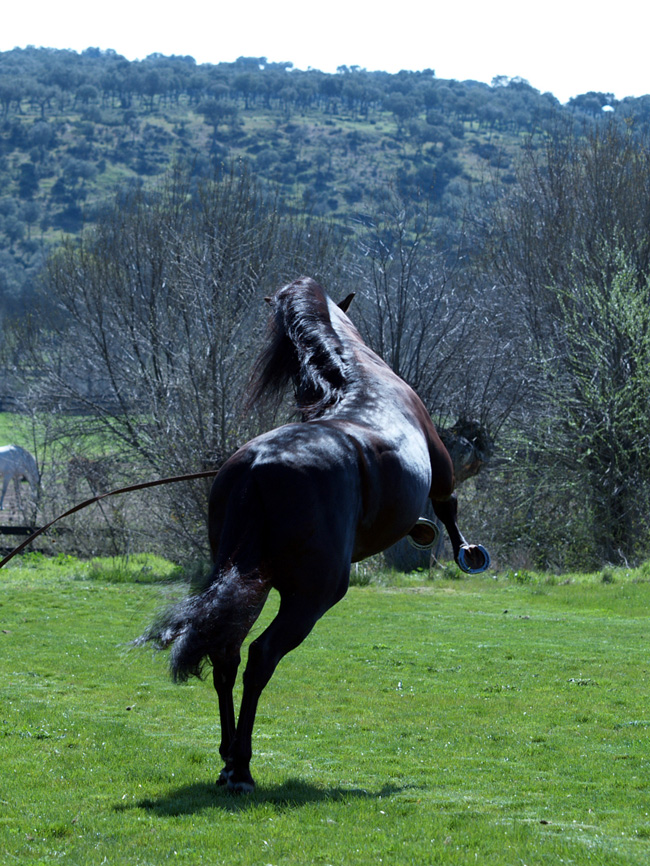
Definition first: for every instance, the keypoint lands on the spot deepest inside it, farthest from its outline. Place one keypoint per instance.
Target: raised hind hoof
(424, 535)
(473, 559)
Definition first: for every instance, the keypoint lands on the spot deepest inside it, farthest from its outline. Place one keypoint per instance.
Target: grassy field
(488, 720)
(15, 430)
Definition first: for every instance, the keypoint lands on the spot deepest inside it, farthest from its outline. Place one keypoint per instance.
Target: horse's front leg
(224, 674)
(19, 502)
(471, 558)
(5, 484)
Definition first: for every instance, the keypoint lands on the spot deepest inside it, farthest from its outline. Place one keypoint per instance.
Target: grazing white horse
(17, 463)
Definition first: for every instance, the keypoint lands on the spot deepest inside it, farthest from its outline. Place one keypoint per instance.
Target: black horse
(292, 508)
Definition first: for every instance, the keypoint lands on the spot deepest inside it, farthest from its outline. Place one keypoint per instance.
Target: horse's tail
(209, 624)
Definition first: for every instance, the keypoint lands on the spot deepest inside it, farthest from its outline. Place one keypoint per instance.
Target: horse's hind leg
(295, 619)
(224, 674)
(225, 663)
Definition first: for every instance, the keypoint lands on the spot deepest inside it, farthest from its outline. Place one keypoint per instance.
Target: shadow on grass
(292, 793)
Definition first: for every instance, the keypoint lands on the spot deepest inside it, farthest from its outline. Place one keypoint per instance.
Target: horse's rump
(277, 502)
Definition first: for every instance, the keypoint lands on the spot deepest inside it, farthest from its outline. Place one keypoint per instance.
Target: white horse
(16, 463)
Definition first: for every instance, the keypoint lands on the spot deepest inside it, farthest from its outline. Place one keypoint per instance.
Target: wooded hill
(74, 127)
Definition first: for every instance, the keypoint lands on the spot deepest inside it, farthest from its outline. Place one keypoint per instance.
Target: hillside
(73, 127)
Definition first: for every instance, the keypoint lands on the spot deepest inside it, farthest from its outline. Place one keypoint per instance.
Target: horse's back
(317, 494)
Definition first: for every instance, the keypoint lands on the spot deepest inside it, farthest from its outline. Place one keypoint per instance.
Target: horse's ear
(345, 303)
(268, 300)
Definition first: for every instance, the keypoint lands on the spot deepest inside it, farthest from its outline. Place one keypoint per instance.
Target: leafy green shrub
(360, 576)
(447, 571)
(521, 576)
(141, 568)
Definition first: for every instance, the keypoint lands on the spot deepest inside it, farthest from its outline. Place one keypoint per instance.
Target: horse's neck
(374, 391)
(381, 400)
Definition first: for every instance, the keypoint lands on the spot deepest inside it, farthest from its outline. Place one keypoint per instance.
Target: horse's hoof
(240, 786)
(424, 535)
(473, 559)
(224, 777)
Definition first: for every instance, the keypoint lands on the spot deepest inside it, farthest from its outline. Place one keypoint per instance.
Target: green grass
(498, 721)
(15, 430)
(29, 433)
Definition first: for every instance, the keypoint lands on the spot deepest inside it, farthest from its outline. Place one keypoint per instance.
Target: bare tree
(579, 200)
(569, 254)
(155, 319)
(432, 320)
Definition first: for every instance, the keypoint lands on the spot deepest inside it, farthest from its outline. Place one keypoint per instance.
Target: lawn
(487, 720)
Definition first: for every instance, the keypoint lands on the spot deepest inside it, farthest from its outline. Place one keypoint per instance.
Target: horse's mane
(303, 348)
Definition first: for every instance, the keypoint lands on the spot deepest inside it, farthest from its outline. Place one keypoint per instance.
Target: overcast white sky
(567, 47)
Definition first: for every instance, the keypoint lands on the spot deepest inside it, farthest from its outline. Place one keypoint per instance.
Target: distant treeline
(57, 81)
(76, 126)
